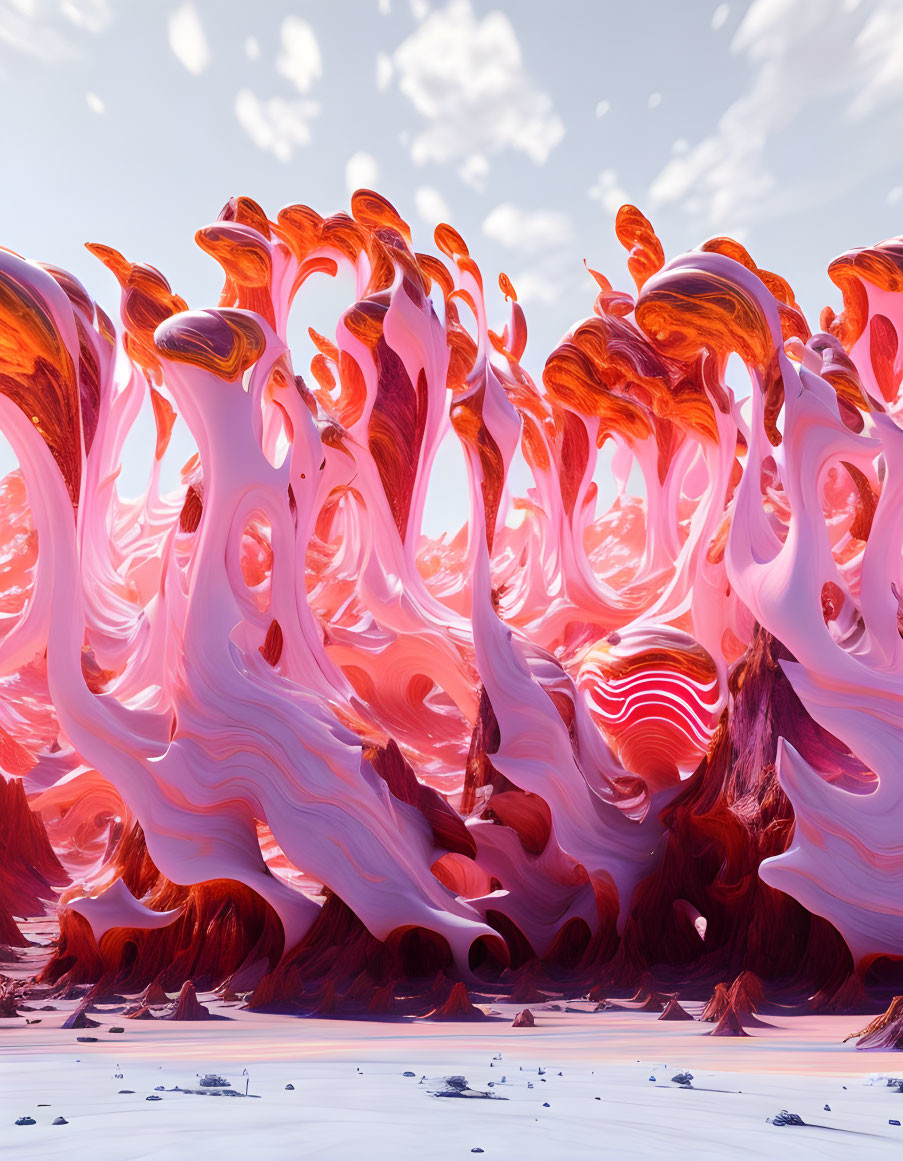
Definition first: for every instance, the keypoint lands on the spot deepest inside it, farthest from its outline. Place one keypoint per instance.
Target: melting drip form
(266, 730)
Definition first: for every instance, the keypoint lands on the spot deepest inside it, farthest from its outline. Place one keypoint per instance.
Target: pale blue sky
(779, 121)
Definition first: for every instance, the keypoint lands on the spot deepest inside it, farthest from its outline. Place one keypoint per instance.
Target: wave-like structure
(669, 732)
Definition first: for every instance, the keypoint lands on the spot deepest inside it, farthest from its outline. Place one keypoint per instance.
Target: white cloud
(431, 205)
(384, 71)
(385, 7)
(895, 195)
(474, 170)
(187, 39)
(602, 108)
(32, 27)
(720, 15)
(528, 230)
(467, 80)
(608, 192)
(802, 55)
(95, 104)
(361, 172)
(879, 48)
(275, 125)
(419, 9)
(91, 15)
(252, 48)
(532, 287)
(299, 60)
(655, 99)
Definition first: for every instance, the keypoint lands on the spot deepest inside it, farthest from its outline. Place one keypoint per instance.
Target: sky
(524, 124)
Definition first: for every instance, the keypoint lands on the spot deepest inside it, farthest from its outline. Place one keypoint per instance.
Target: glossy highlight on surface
(265, 730)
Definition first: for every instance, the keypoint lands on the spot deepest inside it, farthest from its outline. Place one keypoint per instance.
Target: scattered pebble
(407, 1074)
(893, 1122)
(546, 1105)
(25, 1121)
(153, 1097)
(59, 1121)
(827, 1108)
(682, 1078)
(289, 1088)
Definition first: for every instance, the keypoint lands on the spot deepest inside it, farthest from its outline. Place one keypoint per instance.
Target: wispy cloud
(43, 29)
(803, 55)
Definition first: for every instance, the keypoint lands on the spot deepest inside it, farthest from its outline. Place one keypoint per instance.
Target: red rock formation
(885, 1031)
(730, 1024)
(729, 816)
(327, 1003)
(447, 826)
(524, 1019)
(746, 993)
(223, 925)
(154, 995)
(29, 868)
(457, 1007)
(717, 1004)
(674, 1011)
(188, 1006)
(382, 1001)
(8, 998)
(362, 989)
(850, 996)
(141, 1012)
(80, 1019)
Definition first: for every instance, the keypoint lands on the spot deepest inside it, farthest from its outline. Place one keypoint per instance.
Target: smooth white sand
(337, 1112)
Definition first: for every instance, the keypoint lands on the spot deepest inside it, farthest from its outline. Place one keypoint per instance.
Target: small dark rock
(289, 1088)
(785, 1118)
(893, 1122)
(153, 1097)
(59, 1121)
(117, 1029)
(129, 1091)
(407, 1074)
(25, 1121)
(827, 1108)
(159, 1088)
(684, 1078)
(87, 1039)
(546, 1105)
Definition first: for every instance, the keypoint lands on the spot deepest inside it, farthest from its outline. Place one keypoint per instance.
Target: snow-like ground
(351, 1100)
